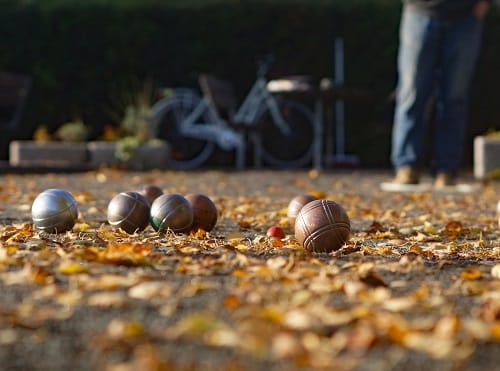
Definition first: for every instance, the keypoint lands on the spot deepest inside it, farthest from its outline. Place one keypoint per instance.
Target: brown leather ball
(171, 212)
(129, 211)
(204, 212)
(151, 192)
(322, 226)
(296, 204)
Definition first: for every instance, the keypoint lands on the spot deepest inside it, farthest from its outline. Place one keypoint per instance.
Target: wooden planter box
(27, 153)
(95, 154)
(146, 157)
(486, 157)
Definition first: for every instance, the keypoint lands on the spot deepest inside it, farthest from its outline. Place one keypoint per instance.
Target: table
(323, 94)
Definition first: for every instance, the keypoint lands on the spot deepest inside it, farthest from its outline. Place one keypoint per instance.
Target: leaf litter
(418, 281)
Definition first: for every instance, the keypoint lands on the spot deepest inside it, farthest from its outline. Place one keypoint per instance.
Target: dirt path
(416, 287)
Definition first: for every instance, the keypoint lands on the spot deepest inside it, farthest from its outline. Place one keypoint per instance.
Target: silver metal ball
(129, 211)
(54, 210)
(171, 212)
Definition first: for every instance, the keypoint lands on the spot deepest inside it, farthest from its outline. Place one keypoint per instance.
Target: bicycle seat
(292, 83)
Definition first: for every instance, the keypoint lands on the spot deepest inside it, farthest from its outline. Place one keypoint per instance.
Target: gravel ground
(76, 335)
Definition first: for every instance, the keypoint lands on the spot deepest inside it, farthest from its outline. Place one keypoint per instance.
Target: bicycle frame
(217, 130)
(199, 120)
(255, 103)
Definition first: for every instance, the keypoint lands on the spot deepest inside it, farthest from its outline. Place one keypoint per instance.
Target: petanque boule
(171, 212)
(322, 226)
(54, 210)
(129, 211)
(204, 212)
(151, 192)
(296, 204)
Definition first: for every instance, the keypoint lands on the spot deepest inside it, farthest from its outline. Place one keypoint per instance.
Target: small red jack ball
(276, 232)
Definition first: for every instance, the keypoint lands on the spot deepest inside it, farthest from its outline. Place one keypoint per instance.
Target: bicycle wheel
(168, 115)
(291, 150)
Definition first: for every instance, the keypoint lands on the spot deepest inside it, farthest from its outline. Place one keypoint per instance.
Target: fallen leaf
(107, 299)
(495, 271)
(453, 228)
(71, 268)
(122, 329)
(284, 345)
(150, 290)
(429, 228)
(471, 274)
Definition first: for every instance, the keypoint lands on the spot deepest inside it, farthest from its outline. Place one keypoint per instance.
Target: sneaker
(444, 179)
(407, 175)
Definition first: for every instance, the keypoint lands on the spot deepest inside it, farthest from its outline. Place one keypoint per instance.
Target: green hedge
(87, 57)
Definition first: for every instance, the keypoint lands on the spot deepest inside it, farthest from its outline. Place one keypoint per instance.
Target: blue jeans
(436, 59)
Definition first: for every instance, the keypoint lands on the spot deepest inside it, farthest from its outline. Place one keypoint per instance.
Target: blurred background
(87, 59)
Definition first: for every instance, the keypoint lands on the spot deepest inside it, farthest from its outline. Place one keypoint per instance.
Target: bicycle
(282, 130)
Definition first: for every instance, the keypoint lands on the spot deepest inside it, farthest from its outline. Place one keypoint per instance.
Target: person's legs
(418, 54)
(460, 50)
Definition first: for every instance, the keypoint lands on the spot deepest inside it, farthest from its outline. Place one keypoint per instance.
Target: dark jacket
(441, 8)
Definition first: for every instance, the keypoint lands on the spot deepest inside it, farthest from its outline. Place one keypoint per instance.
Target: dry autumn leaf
(418, 280)
(471, 274)
(495, 271)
